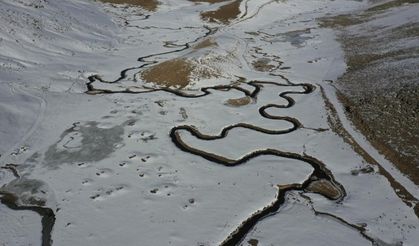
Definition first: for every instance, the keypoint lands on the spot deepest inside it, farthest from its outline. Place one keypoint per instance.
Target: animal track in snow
(103, 194)
(144, 136)
(104, 172)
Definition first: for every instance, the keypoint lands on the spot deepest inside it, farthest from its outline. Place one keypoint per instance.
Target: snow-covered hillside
(178, 122)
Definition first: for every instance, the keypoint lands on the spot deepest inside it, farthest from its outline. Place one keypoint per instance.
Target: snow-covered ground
(122, 164)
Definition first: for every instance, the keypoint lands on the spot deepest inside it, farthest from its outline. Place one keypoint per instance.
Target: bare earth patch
(150, 5)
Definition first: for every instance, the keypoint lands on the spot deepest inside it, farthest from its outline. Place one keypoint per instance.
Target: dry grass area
(225, 14)
(380, 89)
(171, 73)
(150, 5)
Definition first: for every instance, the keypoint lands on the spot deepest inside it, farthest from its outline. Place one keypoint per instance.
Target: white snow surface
(107, 164)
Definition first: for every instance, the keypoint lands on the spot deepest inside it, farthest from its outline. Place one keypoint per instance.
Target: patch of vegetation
(379, 89)
(359, 61)
(340, 21)
(391, 4)
(407, 31)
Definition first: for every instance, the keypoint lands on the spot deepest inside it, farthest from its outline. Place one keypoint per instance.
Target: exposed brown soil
(390, 4)
(263, 65)
(171, 73)
(380, 90)
(150, 5)
(225, 14)
(336, 125)
(179, 72)
(339, 21)
(325, 188)
(345, 20)
(209, 42)
(208, 1)
(237, 102)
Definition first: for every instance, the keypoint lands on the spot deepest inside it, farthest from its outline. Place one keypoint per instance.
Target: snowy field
(186, 123)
